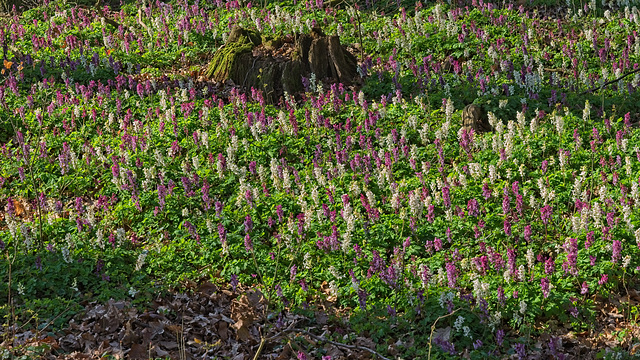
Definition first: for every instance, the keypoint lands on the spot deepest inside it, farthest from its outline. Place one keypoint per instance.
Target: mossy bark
(6, 6)
(225, 61)
(316, 54)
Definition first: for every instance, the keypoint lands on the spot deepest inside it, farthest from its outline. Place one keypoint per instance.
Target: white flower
(141, 258)
(523, 307)
(458, 323)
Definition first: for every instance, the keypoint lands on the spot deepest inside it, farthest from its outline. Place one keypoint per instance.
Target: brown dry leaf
(325, 288)
(130, 336)
(138, 351)
(366, 342)
(334, 352)
(159, 352)
(19, 208)
(321, 318)
(242, 332)
(207, 288)
(223, 333)
(175, 328)
(286, 353)
(169, 345)
(443, 333)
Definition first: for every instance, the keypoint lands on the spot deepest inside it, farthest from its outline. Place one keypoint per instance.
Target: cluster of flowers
(393, 198)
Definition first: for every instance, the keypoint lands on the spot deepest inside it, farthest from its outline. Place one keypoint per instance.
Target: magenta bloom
(248, 245)
(603, 280)
(507, 228)
(486, 192)
(545, 213)
(544, 284)
(585, 288)
(472, 208)
(571, 266)
(452, 274)
(527, 233)
(505, 201)
(616, 249)
(446, 199)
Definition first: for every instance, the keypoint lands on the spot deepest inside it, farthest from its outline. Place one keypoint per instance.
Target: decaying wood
(249, 61)
(473, 117)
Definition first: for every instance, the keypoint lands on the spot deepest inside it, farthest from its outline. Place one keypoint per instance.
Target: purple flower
(616, 249)
(544, 285)
(446, 199)
(234, 282)
(520, 350)
(472, 207)
(507, 227)
(545, 213)
(500, 295)
(302, 355)
(452, 274)
(219, 207)
(589, 241)
(505, 201)
(222, 233)
(527, 233)
(192, 231)
(585, 288)
(499, 337)
(549, 266)
(425, 275)
(486, 192)
(511, 260)
(248, 245)
(248, 224)
(362, 299)
(10, 207)
(572, 256)
(603, 280)
(292, 272)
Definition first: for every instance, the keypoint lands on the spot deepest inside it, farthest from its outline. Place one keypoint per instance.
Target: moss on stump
(242, 60)
(224, 63)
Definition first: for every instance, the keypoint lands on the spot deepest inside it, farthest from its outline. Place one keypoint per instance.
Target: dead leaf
(322, 318)
(242, 332)
(138, 351)
(159, 352)
(222, 330)
(443, 333)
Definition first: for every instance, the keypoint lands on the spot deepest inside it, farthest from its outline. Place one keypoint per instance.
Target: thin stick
(433, 328)
(323, 339)
(262, 342)
(610, 82)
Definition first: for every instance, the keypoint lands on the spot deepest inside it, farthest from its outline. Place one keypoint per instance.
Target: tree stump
(473, 117)
(278, 65)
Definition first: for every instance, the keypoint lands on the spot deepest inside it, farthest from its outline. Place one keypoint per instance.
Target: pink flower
(603, 280)
(544, 284)
(616, 249)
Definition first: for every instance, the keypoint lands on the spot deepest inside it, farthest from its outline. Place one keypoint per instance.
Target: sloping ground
(212, 321)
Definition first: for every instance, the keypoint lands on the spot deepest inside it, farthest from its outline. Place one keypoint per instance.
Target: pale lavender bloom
(616, 249)
(544, 285)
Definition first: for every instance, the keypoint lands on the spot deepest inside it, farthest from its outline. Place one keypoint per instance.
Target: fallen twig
(433, 328)
(319, 338)
(610, 82)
